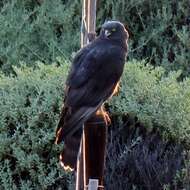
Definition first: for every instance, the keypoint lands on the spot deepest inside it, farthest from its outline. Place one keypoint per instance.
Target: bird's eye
(113, 29)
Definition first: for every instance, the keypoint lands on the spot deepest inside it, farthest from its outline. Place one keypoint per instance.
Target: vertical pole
(91, 20)
(79, 172)
(84, 41)
(94, 148)
(84, 23)
(91, 159)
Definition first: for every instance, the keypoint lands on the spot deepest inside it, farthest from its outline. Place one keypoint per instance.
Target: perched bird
(93, 77)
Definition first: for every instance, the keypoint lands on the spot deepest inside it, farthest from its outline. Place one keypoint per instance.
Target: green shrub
(159, 30)
(158, 100)
(136, 161)
(33, 30)
(29, 110)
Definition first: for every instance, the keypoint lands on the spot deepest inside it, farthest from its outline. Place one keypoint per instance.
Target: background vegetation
(33, 30)
(149, 137)
(148, 145)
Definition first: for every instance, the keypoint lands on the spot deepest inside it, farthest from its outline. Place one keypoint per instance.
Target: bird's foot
(106, 118)
(59, 136)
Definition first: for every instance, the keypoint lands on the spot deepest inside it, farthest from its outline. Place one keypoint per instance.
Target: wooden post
(94, 146)
(84, 23)
(91, 20)
(91, 159)
(79, 172)
(84, 40)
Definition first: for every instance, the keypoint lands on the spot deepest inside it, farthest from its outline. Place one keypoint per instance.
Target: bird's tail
(68, 157)
(69, 131)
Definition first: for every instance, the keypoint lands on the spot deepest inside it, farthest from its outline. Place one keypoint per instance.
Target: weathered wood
(91, 20)
(84, 41)
(84, 23)
(91, 161)
(79, 173)
(94, 146)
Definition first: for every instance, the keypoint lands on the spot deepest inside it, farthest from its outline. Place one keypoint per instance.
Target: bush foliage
(158, 100)
(29, 111)
(33, 30)
(159, 30)
(140, 161)
(151, 112)
(30, 105)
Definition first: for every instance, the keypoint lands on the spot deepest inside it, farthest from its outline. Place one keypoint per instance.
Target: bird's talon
(107, 118)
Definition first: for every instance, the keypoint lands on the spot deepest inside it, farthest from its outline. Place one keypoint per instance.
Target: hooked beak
(107, 33)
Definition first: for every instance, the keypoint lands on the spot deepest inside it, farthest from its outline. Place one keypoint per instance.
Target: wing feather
(92, 80)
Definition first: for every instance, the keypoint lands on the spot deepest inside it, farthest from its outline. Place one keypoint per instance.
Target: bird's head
(114, 30)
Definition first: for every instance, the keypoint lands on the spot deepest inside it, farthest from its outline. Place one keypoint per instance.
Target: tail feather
(69, 130)
(70, 122)
(73, 124)
(78, 119)
(68, 157)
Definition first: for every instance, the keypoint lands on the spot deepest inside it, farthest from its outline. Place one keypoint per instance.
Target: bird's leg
(105, 115)
(116, 89)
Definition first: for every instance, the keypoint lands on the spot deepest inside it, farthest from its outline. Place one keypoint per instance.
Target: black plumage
(94, 75)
